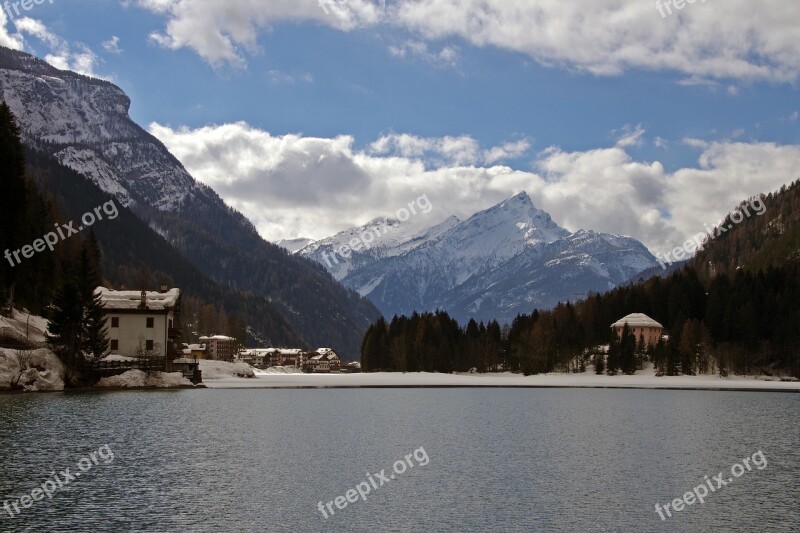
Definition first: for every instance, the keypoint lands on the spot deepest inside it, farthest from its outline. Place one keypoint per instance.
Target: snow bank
(222, 369)
(565, 380)
(138, 379)
(31, 370)
(280, 370)
(119, 358)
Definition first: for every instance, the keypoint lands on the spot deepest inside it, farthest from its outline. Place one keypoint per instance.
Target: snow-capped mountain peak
(507, 259)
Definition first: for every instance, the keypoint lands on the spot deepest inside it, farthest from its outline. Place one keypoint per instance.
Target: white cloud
(14, 41)
(222, 32)
(440, 151)
(696, 143)
(705, 42)
(112, 45)
(446, 57)
(277, 77)
(63, 55)
(510, 150)
(294, 186)
(631, 136)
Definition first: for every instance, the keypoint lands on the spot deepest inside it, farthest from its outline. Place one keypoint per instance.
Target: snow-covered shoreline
(505, 380)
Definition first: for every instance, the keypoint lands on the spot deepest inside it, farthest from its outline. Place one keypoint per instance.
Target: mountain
(382, 238)
(506, 260)
(84, 124)
(129, 245)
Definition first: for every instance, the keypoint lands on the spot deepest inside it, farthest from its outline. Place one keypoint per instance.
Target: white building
(142, 323)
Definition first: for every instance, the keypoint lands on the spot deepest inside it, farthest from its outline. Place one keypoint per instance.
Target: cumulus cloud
(510, 150)
(223, 32)
(452, 151)
(292, 186)
(705, 42)
(9, 40)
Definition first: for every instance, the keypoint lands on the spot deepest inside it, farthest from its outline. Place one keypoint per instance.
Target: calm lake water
(499, 459)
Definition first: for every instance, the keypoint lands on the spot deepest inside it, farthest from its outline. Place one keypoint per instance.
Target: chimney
(164, 288)
(143, 303)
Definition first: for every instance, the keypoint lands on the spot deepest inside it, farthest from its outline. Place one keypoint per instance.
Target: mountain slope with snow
(84, 123)
(506, 260)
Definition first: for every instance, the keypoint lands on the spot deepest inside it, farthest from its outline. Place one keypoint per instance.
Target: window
(114, 344)
(150, 322)
(148, 345)
(114, 321)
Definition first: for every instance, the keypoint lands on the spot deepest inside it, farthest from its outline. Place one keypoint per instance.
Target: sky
(312, 116)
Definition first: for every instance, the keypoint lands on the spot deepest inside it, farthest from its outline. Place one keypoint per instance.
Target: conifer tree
(599, 363)
(12, 200)
(65, 329)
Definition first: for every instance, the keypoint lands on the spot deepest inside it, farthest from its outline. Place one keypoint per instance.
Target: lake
(486, 460)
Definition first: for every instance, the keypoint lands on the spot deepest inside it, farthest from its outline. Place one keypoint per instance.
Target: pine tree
(627, 351)
(95, 335)
(599, 363)
(13, 200)
(65, 329)
(641, 351)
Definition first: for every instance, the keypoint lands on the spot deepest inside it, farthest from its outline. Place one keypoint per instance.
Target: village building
(285, 357)
(220, 347)
(195, 351)
(143, 323)
(323, 361)
(257, 357)
(640, 325)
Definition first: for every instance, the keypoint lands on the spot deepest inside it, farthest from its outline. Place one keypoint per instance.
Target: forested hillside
(38, 192)
(133, 254)
(768, 240)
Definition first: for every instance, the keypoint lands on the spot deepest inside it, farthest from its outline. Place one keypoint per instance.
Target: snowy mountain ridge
(505, 260)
